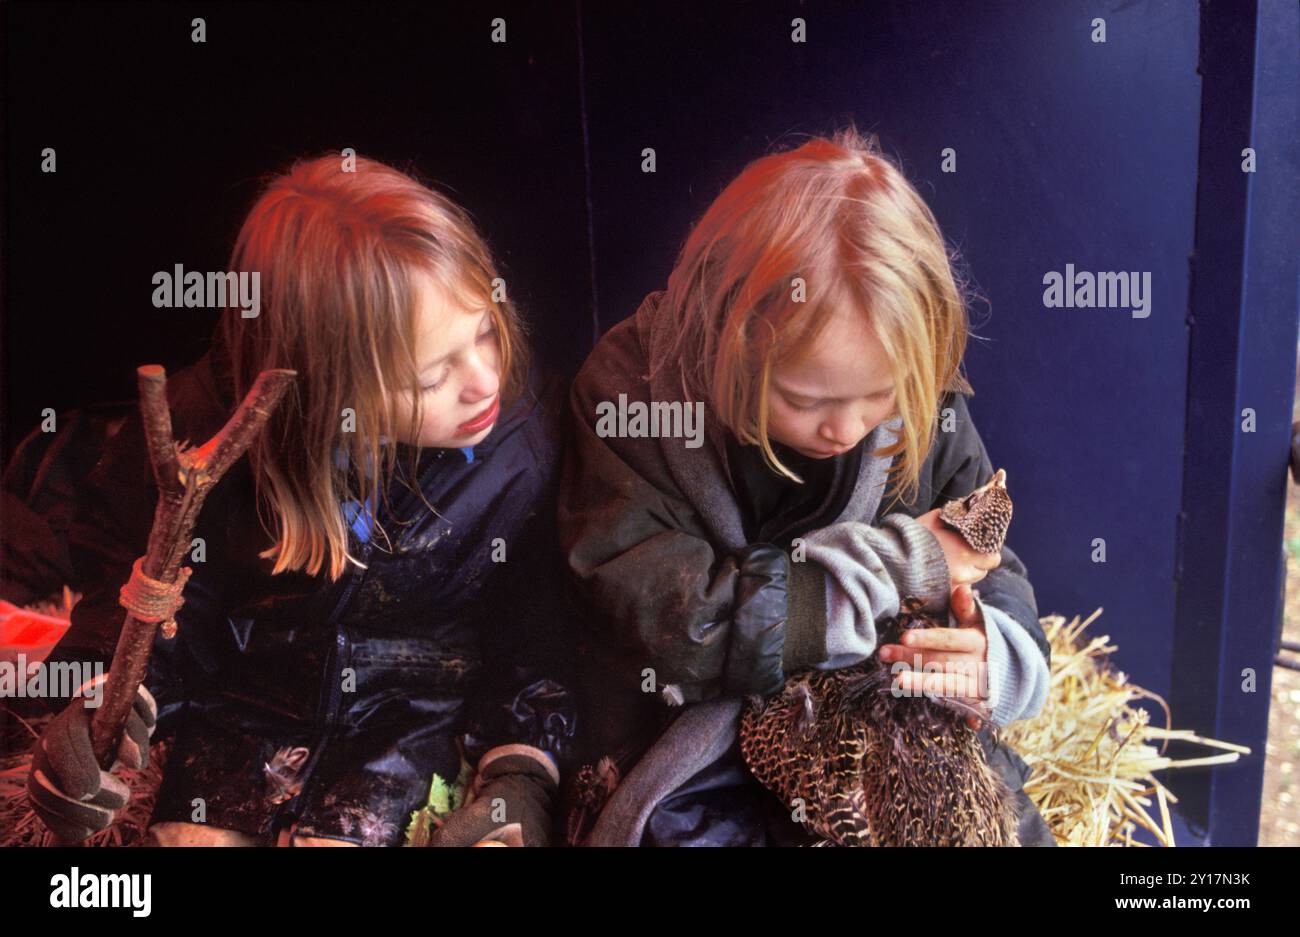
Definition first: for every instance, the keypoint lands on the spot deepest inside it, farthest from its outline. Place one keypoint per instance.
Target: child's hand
(966, 566)
(962, 652)
(66, 787)
(513, 793)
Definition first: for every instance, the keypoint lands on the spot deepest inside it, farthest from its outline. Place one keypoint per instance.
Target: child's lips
(827, 453)
(482, 421)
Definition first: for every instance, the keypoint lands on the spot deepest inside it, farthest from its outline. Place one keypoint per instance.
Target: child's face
(824, 404)
(460, 362)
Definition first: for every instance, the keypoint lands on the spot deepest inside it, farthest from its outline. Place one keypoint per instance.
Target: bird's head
(983, 516)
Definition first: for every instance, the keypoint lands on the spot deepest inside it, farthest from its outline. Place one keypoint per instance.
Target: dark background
(162, 144)
(1116, 156)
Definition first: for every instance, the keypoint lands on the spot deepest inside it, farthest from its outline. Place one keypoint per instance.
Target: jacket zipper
(327, 720)
(325, 715)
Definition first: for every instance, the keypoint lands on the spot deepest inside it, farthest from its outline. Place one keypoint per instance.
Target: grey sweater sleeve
(1018, 674)
(868, 571)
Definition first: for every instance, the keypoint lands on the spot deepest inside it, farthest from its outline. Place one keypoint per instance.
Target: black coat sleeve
(690, 618)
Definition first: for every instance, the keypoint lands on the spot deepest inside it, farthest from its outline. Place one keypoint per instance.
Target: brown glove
(513, 792)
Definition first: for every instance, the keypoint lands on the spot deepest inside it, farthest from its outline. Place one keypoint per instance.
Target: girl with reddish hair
(358, 623)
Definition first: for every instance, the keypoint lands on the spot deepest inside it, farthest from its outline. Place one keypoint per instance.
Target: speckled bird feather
(862, 767)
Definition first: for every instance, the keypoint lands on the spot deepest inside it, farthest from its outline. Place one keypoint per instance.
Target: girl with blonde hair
(358, 616)
(815, 315)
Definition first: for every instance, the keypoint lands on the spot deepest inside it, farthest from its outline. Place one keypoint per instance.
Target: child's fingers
(966, 574)
(916, 659)
(939, 684)
(944, 639)
(967, 613)
(965, 666)
(963, 604)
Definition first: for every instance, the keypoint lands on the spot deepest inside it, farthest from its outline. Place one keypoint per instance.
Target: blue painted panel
(1241, 368)
(1069, 152)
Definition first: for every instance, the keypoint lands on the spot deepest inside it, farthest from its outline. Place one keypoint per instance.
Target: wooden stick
(184, 478)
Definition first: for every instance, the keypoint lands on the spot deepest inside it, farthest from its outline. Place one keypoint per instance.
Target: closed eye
(481, 337)
(799, 406)
(817, 404)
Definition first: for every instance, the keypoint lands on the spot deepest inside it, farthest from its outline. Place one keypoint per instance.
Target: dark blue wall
(1068, 152)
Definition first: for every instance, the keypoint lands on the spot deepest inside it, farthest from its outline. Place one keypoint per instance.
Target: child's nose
(483, 381)
(842, 429)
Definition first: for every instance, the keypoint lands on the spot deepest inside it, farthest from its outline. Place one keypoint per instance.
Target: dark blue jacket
(380, 675)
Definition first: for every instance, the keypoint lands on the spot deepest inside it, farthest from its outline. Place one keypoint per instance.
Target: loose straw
(1092, 751)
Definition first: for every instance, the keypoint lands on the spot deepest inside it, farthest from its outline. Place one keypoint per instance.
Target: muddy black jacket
(379, 675)
(662, 592)
(670, 605)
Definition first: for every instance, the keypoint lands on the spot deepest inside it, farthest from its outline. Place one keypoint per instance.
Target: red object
(29, 633)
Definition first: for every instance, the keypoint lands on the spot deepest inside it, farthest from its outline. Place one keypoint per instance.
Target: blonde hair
(339, 256)
(838, 214)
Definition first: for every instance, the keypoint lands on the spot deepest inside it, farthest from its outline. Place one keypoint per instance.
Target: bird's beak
(999, 479)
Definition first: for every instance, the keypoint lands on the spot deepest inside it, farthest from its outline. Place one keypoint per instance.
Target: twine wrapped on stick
(184, 476)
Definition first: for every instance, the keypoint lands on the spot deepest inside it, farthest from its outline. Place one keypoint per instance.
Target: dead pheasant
(860, 766)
